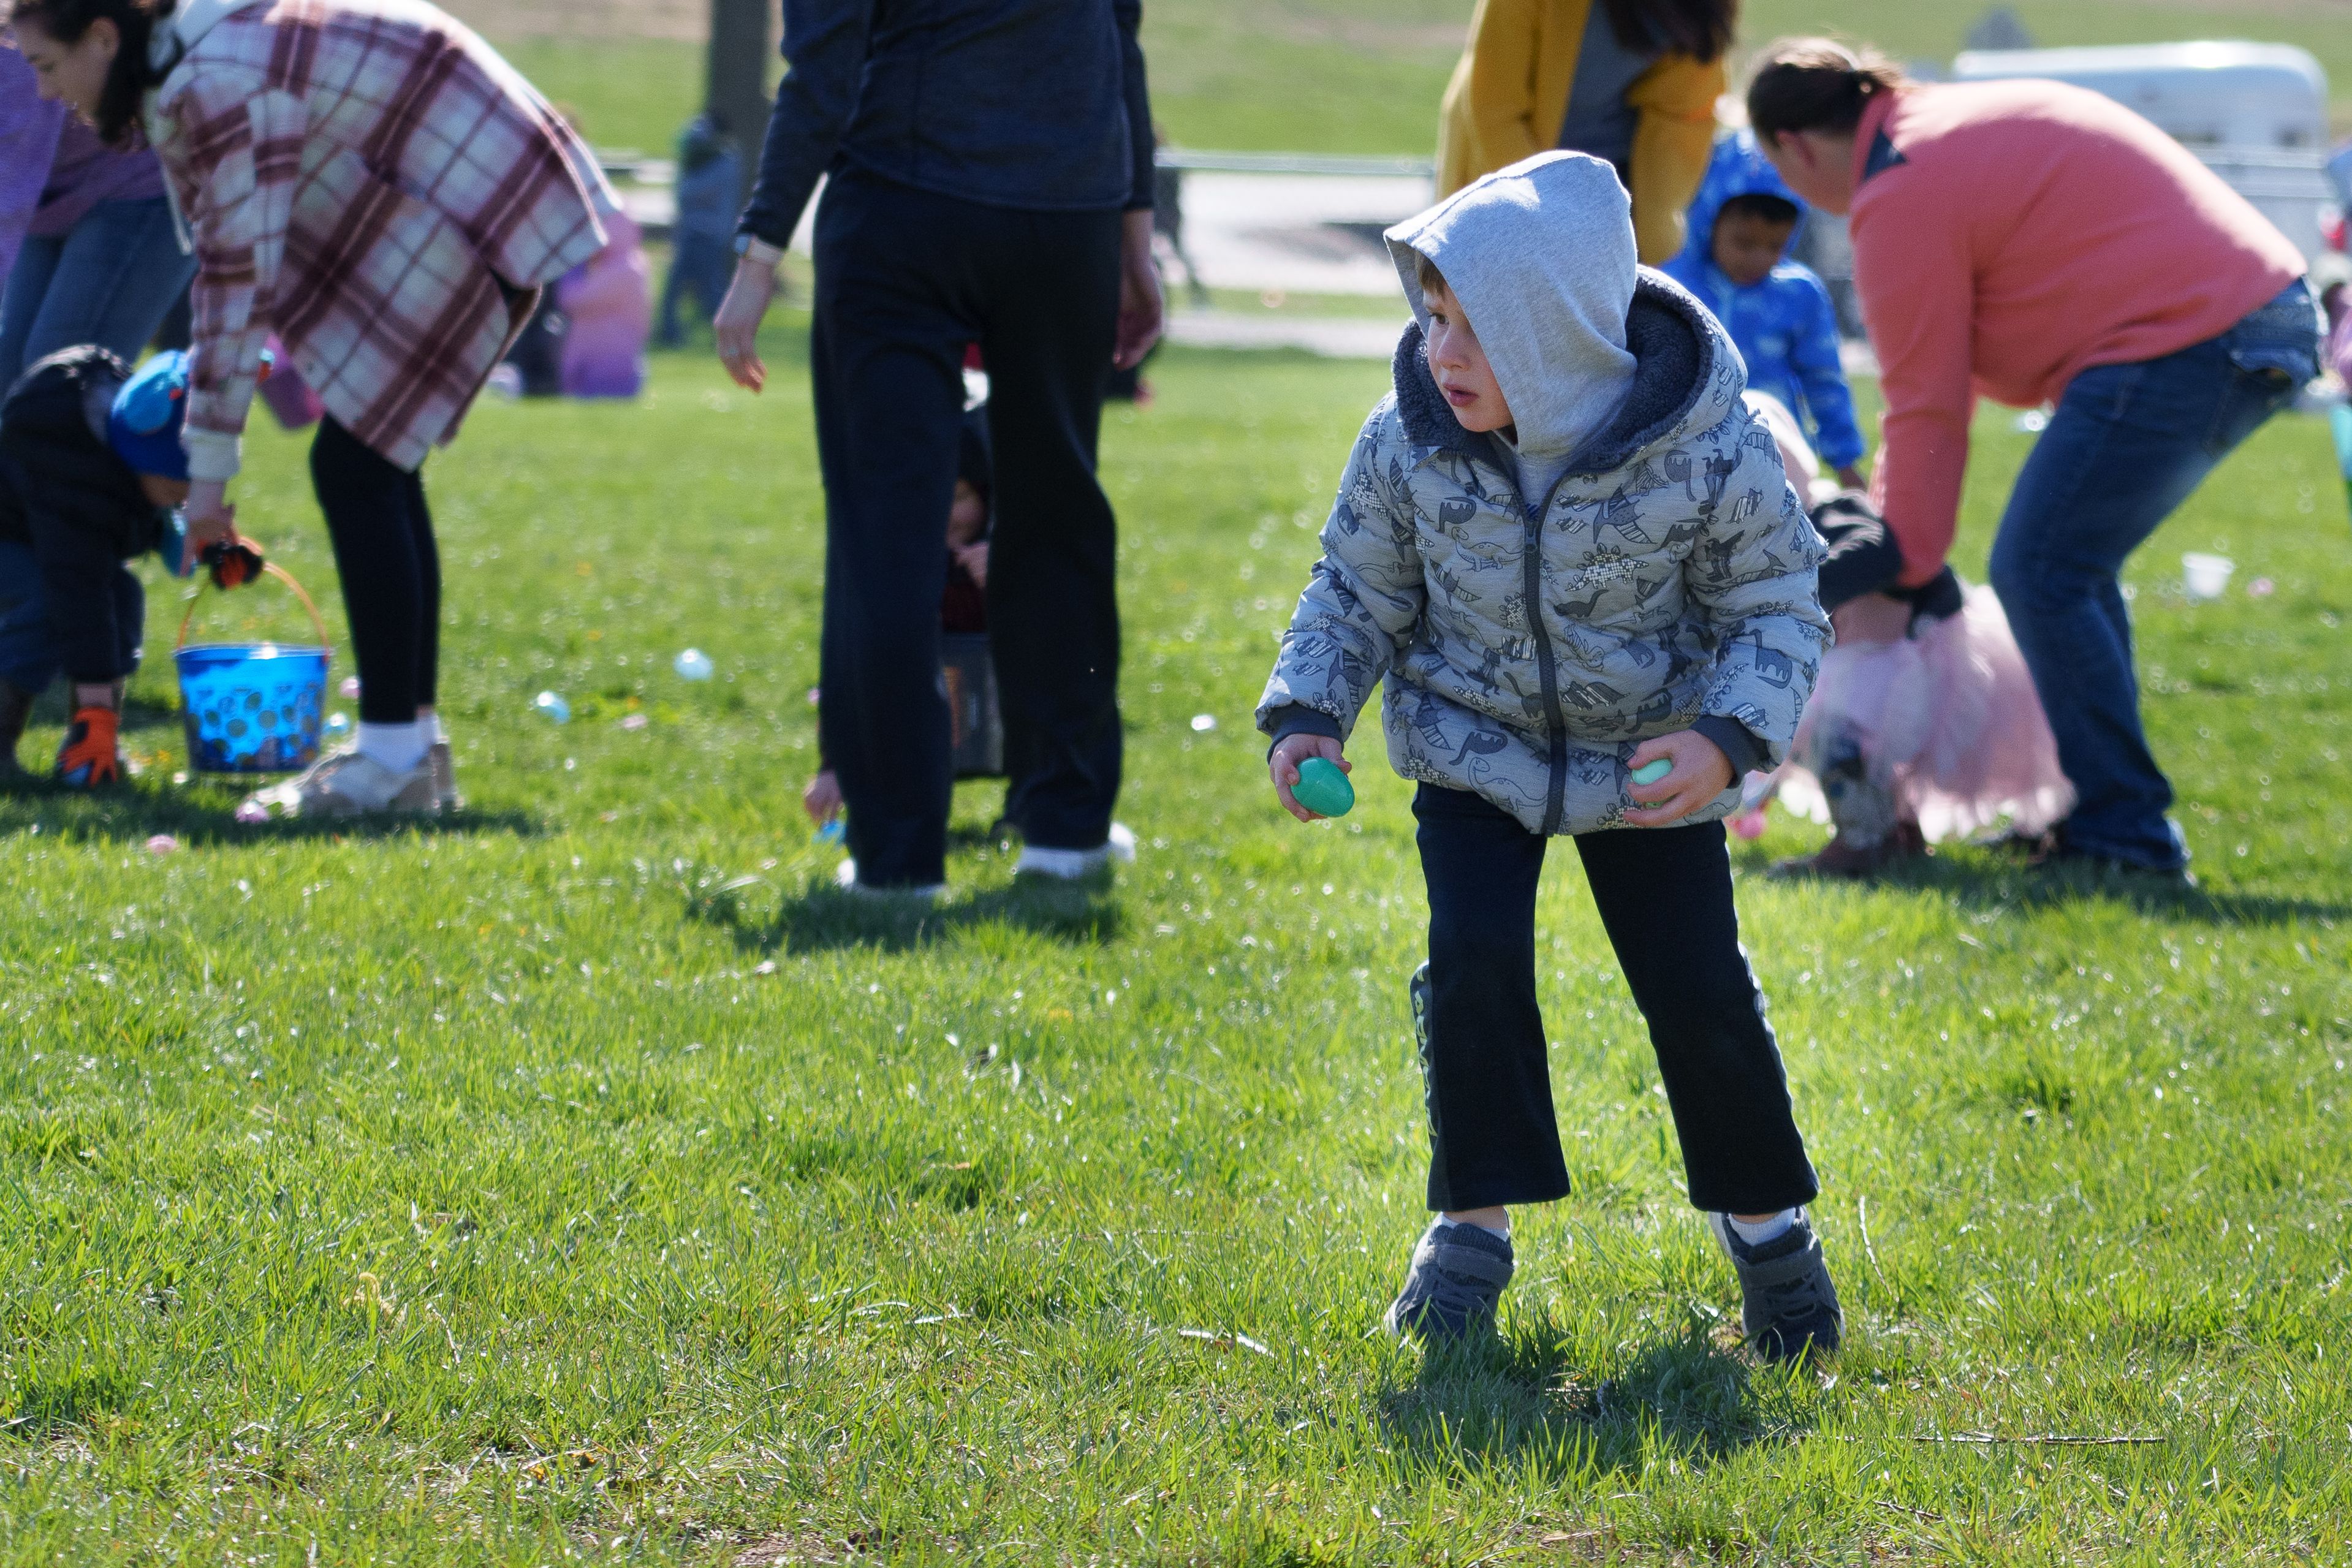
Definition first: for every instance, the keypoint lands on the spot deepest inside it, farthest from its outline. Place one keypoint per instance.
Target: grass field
(1357, 76)
(578, 1178)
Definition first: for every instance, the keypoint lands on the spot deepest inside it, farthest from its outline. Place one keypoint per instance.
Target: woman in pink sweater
(2031, 242)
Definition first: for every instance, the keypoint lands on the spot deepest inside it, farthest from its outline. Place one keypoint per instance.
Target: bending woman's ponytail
(1816, 84)
(131, 76)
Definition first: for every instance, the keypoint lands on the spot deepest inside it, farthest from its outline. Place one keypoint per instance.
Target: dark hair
(1759, 205)
(129, 77)
(1816, 84)
(1426, 276)
(1699, 28)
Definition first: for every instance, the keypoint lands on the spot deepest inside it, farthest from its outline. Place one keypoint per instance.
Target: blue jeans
(2126, 446)
(108, 280)
(701, 265)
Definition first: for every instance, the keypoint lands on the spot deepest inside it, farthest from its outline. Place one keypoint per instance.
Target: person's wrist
(750, 250)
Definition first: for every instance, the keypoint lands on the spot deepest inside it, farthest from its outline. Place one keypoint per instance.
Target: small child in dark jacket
(90, 466)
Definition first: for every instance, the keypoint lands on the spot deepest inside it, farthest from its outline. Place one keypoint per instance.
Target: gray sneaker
(1787, 1305)
(1457, 1278)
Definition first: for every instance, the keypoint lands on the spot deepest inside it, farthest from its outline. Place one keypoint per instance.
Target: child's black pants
(96, 610)
(906, 279)
(383, 535)
(1665, 896)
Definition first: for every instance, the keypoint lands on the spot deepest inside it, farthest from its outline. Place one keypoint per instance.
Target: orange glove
(235, 561)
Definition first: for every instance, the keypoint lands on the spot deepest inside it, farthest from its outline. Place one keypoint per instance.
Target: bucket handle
(282, 575)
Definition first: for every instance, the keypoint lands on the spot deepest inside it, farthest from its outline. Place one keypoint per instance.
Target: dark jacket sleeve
(824, 46)
(1139, 100)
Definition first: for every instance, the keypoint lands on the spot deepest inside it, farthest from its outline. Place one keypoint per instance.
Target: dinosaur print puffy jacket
(1528, 648)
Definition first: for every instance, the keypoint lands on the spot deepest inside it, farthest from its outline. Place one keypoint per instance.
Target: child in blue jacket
(1778, 311)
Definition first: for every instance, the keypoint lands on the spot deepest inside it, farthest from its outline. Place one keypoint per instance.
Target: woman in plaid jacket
(367, 179)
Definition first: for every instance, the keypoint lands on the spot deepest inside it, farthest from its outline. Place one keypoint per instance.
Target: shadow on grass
(1992, 879)
(200, 814)
(204, 817)
(1509, 1405)
(823, 918)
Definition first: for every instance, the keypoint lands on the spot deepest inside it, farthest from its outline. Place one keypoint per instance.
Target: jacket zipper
(1548, 673)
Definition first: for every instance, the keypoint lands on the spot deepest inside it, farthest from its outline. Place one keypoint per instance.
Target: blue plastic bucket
(253, 707)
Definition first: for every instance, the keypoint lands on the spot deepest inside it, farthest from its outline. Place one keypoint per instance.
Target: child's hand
(821, 799)
(1701, 772)
(1283, 766)
(973, 558)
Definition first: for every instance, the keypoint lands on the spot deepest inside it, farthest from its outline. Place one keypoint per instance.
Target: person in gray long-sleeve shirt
(989, 181)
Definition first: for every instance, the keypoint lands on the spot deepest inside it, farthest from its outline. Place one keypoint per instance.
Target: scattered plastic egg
(547, 705)
(161, 845)
(338, 726)
(633, 721)
(351, 687)
(1203, 722)
(693, 664)
(252, 811)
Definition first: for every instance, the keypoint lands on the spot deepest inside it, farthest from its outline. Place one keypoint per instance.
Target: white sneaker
(1074, 866)
(845, 877)
(349, 783)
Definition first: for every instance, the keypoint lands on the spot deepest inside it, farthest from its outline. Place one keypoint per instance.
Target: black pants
(383, 535)
(96, 610)
(1665, 896)
(906, 279)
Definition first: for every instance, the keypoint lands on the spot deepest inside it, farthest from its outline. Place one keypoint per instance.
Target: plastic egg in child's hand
(1323, 788)
(693, 664)
(1651, 772)
(551, 707)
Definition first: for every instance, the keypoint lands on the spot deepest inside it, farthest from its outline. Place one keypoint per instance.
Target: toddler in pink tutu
(1924, 725)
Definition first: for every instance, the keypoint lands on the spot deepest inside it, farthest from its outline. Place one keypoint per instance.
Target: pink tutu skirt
(1947, 722)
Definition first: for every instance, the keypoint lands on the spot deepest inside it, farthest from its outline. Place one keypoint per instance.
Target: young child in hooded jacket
(1778, 311)
(91, 463)
(1566, 550)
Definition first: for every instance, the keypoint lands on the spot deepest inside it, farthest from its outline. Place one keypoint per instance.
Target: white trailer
(2256, 114)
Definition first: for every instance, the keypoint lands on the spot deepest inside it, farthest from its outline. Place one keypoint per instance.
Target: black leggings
(1664, 897)
(382, 533)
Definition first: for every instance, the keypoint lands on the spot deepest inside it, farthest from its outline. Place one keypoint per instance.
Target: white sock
(1766, 1230)
(1505, 1233)
(395, 745)
(429, 732)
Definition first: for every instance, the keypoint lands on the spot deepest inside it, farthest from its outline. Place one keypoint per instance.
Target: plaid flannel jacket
(360, 176)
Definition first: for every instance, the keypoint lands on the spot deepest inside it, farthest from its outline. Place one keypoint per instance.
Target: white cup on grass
(2205, 575)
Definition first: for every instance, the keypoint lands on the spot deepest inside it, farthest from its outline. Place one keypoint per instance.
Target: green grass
(1365, 75)
(576, 1177)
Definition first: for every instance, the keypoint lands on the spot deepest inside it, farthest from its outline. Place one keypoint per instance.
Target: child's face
(1460, 366)
(967, 514)
(1747, 246)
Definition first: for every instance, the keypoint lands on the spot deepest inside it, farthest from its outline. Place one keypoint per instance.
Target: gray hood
(1541, 256)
